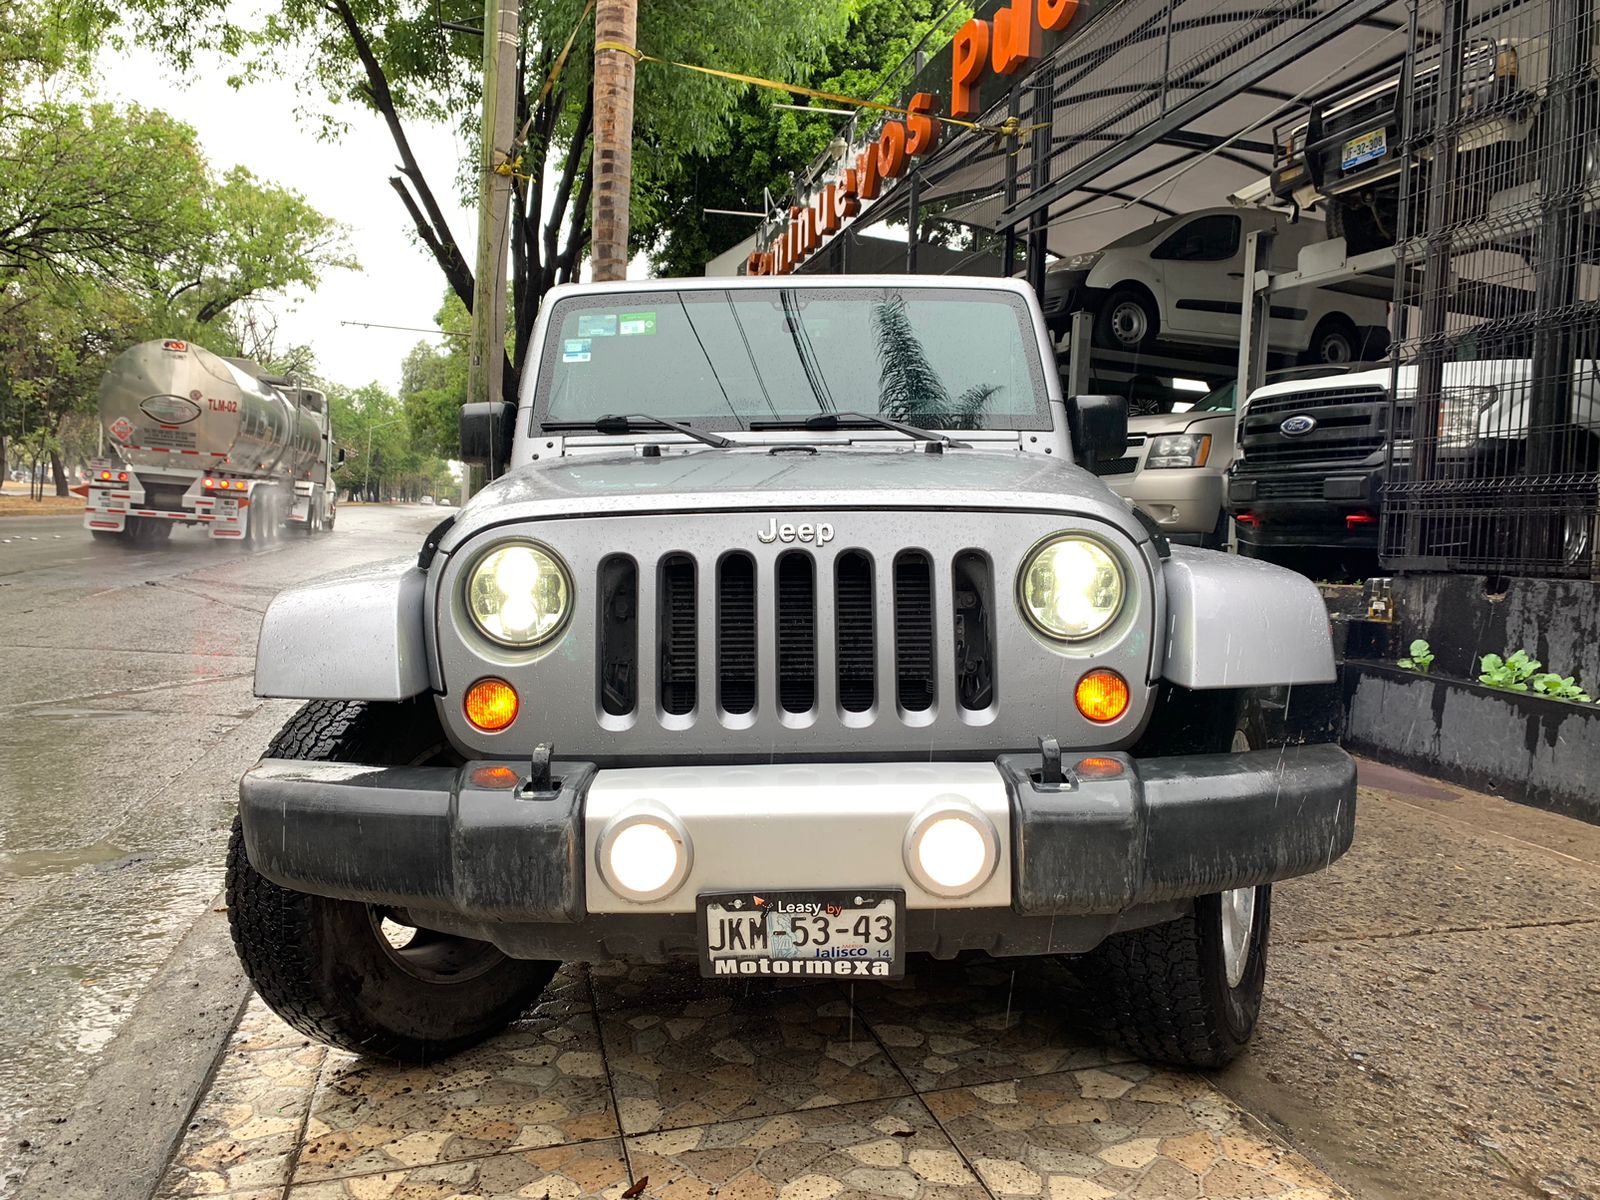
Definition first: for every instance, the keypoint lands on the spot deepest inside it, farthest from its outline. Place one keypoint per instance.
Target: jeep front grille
(788, 605)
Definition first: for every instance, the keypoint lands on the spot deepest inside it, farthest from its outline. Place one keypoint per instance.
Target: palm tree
(910, 390)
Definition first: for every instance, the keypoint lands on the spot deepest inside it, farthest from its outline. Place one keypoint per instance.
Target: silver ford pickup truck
(792, 637)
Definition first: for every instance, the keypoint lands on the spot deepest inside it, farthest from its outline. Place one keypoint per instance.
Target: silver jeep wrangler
(792, 638)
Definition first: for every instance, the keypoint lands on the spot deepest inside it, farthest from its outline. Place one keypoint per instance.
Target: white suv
(1181, 279)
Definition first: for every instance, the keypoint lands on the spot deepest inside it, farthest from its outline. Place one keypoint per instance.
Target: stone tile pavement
(962, 1082)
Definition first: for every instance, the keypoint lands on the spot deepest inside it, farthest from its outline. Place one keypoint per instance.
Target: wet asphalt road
(126, 719)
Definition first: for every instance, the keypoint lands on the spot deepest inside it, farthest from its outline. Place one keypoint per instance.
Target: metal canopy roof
(1157, 107)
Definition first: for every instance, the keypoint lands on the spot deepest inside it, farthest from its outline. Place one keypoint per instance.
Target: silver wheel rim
(1238, 925)
(1128, 323)
(1336, 349)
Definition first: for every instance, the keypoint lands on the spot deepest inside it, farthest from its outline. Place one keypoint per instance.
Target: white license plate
(817, 934)
(226, 506)
(1364, 149)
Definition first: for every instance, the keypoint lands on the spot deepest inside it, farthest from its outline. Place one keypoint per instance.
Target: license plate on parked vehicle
(1364, 149)
(817, 934)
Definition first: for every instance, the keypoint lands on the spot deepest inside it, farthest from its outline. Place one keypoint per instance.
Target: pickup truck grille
(1349, 429)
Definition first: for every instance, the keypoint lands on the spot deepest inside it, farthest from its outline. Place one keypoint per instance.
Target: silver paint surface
(1235, 622)
(358, 635)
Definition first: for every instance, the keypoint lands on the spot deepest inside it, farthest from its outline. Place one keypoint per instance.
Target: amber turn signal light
(495, 777)
(1102, 696)
(1097, 768)
(491, 704)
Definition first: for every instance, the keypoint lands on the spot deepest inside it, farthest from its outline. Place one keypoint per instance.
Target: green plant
(1560, 687)
(1510, 674)
(1421, 657)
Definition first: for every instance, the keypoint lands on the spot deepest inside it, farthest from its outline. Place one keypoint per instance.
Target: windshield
(1220, 400)
(722, 359)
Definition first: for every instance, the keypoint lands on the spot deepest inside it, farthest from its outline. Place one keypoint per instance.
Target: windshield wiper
(840, 420)
(629, 422)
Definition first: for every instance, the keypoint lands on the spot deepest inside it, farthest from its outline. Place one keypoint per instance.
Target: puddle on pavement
(28, 864)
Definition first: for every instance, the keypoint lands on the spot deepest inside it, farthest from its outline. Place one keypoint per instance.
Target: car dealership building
(1450, 150)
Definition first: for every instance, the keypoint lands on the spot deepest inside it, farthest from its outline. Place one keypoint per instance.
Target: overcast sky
(399, 284)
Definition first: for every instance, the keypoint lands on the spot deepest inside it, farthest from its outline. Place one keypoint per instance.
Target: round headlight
(518, 594)
(1071, 588)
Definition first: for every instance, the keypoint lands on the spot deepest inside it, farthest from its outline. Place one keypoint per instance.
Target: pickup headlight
(1460, 416)
(518, 594)
(1178, 450)
(1070, 588)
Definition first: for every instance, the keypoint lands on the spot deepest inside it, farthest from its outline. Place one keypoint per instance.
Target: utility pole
(486, 367)
(614, 21)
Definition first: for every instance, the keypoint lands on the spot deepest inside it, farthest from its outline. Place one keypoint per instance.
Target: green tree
(92, 190)
(402, 61)
(251, 238)
(766, 147)
(433, 384)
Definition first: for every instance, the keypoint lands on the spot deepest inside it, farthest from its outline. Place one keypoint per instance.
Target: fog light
(491, 704)
(951, 848)
(1102, 696)
(644, 855)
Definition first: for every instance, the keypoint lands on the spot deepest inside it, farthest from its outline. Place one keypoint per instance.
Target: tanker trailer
(311, 459)
(197, 439)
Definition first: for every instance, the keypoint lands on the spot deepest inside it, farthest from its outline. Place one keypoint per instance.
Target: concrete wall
(1465, 617)
(1534, 751)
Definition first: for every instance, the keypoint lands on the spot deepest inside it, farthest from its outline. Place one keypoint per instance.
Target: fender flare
(358, 635)
(1240, 623)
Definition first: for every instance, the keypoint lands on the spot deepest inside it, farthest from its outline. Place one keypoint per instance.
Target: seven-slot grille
(765, 617)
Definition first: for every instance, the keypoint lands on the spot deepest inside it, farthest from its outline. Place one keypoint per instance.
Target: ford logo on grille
(1298, 425)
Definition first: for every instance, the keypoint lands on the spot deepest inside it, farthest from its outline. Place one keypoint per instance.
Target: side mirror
(1099, 428)
(487, 429)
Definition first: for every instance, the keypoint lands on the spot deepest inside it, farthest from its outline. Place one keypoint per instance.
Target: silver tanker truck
(198, 439)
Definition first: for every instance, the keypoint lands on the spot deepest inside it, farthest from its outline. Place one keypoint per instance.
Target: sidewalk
(1430, 1031)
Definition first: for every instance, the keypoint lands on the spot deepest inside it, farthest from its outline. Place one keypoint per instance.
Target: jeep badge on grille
(821, 534)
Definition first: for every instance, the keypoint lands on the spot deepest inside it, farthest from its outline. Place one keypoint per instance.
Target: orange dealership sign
(1008, 43)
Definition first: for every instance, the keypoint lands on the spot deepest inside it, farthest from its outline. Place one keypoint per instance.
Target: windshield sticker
(575, 350)
(593, 325)
(637, 323)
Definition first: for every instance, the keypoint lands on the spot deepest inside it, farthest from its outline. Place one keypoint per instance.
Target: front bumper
(470, 850)
(1181, 500)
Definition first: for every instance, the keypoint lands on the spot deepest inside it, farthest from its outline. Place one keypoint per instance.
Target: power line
(406, 328)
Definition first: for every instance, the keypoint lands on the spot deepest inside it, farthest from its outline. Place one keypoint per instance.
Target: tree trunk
(614, 21)
(58, 472)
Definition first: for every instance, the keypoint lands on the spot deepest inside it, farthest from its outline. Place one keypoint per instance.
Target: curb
(132, 1112)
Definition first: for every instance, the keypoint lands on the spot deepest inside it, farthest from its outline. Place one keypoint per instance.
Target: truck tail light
(1356, 520)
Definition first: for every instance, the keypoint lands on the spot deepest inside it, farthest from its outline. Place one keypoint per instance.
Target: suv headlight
(518, 594)
(1178, 450)
(1070, 587)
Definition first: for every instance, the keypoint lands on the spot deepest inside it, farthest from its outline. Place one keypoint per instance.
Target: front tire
(1188, 992)
(347, 973)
